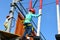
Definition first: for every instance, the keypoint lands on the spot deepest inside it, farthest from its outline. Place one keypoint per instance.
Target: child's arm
(34, 15)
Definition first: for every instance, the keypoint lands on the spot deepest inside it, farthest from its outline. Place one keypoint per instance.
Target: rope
(13, 22)
(23, 7)
(19, 9)
(35, 3)
(44, 4)
(42, 35)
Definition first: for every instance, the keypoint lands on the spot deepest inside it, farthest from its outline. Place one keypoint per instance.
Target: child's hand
(40, 14)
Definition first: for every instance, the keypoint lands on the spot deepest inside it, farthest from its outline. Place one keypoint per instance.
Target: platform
(57, 36)
(7, 36)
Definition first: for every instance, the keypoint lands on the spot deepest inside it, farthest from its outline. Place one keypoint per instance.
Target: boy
(27, 22)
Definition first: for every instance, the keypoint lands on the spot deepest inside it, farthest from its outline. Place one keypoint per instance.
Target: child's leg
(26, 31)
(24, 35)
(29, 30)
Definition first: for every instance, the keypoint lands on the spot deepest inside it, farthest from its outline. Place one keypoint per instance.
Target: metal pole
(39, 19)
(58, 20)
(30, 4)
(57, 5)
(11, 14)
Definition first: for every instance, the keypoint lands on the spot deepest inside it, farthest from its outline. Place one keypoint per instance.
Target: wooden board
(8, 35)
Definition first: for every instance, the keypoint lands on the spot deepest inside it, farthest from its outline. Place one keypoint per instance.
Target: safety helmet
(32, 10)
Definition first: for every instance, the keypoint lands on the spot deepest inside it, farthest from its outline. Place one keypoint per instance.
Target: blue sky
(48, 21)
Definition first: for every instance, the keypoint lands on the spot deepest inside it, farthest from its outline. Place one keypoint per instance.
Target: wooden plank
(8, 35)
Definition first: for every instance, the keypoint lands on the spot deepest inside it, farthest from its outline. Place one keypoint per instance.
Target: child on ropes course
(27, 22)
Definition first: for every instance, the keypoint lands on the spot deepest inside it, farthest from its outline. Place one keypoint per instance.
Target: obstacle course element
(11, 13)
(57, 36)
(37, 38)
(19, 24)
(58, 20)
(21, 20)
(8, 36)
(39, 19)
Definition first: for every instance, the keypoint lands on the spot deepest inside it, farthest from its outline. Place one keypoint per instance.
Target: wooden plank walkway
(7, 36)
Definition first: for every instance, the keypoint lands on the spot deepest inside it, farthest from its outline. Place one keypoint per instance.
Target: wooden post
(19, 25)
